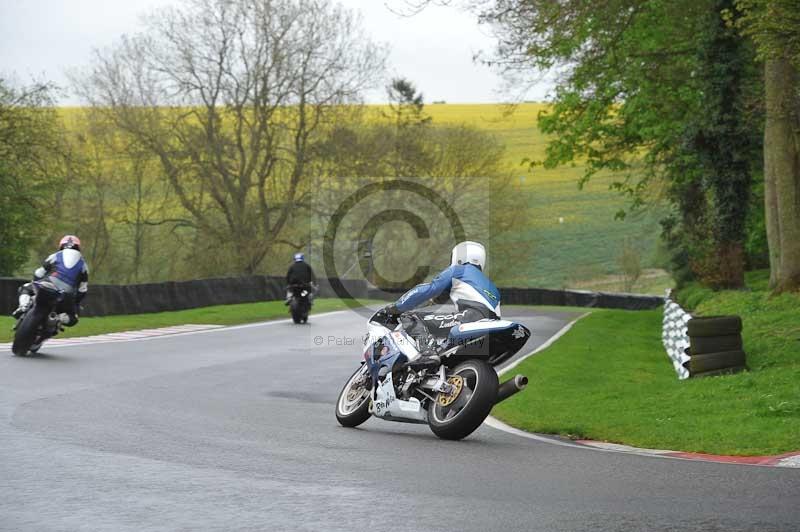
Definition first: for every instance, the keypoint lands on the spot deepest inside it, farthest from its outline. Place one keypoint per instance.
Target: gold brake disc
(445, 399)
(355, 392)
(352, 395)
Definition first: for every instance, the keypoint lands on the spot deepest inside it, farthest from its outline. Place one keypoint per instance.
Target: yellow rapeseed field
(574, 239)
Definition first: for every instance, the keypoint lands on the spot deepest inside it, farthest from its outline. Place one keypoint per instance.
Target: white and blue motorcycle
(453, 397)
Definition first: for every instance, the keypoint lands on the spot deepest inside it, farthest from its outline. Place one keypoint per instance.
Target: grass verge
(215, 315)
(609, 379)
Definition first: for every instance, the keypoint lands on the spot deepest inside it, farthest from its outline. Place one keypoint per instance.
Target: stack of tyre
(715, 345)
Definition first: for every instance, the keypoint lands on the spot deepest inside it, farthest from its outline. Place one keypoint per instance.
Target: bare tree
(630, 263)
(229, 96)
(460, 166)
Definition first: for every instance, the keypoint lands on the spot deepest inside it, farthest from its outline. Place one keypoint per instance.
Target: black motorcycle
(299, 302)
(40, 320)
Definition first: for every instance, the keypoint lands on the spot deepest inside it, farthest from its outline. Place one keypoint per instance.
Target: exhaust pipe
(510, 387)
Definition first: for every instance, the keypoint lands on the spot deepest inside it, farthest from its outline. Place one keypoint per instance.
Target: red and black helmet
(70, 242)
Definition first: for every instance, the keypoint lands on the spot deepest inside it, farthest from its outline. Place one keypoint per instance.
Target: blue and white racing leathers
(467, 285)
(68, 271)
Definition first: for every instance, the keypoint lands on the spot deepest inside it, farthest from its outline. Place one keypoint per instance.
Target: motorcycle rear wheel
(25, 334)
(352, 406)
(454, 418)
(299, 315)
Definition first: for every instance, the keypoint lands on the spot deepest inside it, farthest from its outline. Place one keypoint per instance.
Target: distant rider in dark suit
(300, 273)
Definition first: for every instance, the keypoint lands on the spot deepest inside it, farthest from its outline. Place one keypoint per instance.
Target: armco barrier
(578, 298)
(105, 300)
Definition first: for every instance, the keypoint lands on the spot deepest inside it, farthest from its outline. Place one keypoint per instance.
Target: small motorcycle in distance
(299, 302)
(454, 398)
(39, 321)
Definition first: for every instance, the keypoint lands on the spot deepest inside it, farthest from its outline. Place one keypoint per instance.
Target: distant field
(581, 250)
(574, 240)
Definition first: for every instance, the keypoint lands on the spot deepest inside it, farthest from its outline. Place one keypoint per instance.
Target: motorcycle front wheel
(352, 406)
(456, 415)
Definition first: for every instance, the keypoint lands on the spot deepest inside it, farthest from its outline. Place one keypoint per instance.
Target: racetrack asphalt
(234, 429)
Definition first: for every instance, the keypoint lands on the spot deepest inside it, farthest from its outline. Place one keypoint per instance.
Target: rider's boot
(24, 301)
(426, 362)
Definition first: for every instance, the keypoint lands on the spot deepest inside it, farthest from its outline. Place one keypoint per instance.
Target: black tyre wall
(716, 361)
(702, 345)
(715, 326)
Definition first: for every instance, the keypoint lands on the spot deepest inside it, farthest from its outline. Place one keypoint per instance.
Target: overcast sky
(434, 49)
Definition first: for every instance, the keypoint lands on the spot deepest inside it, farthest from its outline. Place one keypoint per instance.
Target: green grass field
(609, 379)
(215, 315)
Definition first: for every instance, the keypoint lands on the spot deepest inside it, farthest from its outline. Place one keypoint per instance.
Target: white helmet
(469, 253)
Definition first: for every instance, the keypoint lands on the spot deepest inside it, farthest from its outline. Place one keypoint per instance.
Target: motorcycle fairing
(47, 292)
(386, 405)
(381, 355)
(495, 340)
(398, 342)
(476, 329)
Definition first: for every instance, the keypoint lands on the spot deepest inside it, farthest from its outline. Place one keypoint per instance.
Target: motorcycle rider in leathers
(474, 294)
(67, 270)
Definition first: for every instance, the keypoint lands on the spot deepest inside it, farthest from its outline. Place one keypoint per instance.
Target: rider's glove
(387, 313)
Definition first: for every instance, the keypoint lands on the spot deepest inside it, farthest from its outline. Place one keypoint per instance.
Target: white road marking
(152, 334)
(124, 336)
(499, 425)
(792, 461)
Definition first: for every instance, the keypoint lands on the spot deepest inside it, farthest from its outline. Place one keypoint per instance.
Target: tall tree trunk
(782, 173)
(727, 144)
(730, 256)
